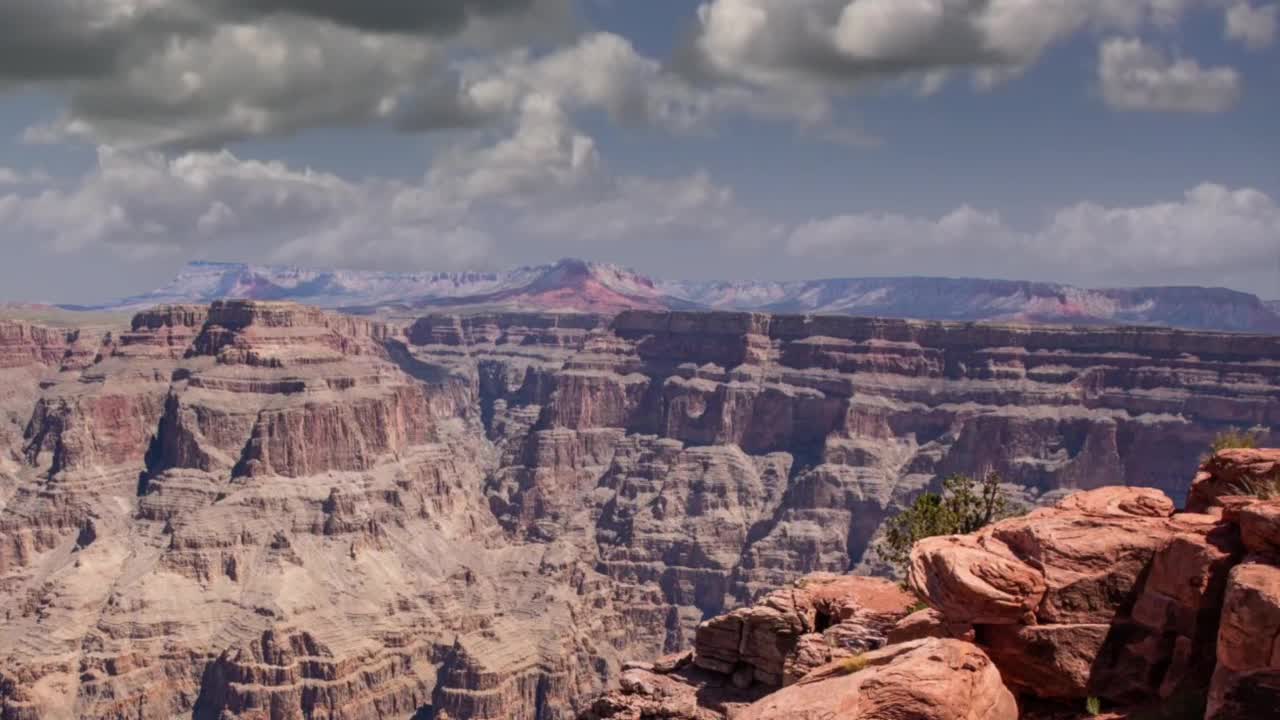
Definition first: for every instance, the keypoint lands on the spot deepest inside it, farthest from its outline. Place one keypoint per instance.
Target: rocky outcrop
(928, 679)
(1116, 596)
(1109, 595)
(1246, 682)
(261, 509)
(1234, 472)
(790, 632)
(23, 344)
(816, 649)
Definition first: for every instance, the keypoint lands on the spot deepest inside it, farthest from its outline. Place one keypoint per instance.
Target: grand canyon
(262, 509)
(626, 360)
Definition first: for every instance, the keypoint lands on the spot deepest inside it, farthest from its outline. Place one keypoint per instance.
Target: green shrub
(964, 506)
(1093, 706)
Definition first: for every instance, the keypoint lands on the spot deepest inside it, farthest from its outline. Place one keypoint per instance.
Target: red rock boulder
(791, 631)
(1233, 472)
(1107, 593)
(932, 679)
(1246, 683)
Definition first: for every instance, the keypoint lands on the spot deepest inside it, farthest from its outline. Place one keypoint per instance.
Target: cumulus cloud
(1211, 235)
(1254, 27)
(543, 182)
(182, 73)
(1136, 76)
(78, 39)
(176, 74)
(601, 71)
(839, 44)
(391, 16)
(10, 176)
(240, 81)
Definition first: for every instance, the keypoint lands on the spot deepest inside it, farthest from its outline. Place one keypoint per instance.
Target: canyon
(262, 509)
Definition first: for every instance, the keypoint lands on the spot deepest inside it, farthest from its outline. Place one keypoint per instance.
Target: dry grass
(857, 663)
(1267, 488)
(1236, 439)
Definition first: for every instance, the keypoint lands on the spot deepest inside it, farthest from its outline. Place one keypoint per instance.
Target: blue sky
(1095, 142)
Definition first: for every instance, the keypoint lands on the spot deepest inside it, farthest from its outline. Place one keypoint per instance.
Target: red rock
(1090, 561)
(974, 580)
(1246, 683)
(929, 679)
(1249, 638)
(795, 629)
(1233, 472)
(1120, 502)
(928, 623)
(1260, 527)
(1127, 596)
(1186, 580)
(1048, 661)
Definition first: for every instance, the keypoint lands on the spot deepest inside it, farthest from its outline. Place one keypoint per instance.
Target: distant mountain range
(580, 286)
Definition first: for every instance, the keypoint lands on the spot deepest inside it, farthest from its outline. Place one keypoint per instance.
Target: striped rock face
(260, 508)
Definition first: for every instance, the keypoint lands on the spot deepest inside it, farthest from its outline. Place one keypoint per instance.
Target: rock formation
(259, 509)
(1109, 598)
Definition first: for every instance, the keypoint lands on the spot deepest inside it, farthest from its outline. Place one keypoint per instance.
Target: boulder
(1107, 593)
(1246, 683)
(1249, 638)
(1233, 472)
(931, 679)
(970, 579)
(646, 694)
(1260, 527)
(797, 628)
(928, 623)
(1048, 661)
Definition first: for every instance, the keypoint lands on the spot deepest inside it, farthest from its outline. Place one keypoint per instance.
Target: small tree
(965, 505)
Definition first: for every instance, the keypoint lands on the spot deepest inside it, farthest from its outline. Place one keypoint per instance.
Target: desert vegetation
(965, 505)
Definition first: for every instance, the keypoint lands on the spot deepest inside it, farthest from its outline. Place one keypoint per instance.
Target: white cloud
(542, 183)
(1254, 27)
(188, 73)
(239, 81)
(1212, 234)
(10, 176)
(603, 71)
(839, 44)
(1136, 76)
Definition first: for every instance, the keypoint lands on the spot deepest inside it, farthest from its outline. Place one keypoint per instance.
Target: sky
(1093, 142)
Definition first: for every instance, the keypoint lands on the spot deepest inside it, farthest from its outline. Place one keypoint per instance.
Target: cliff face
(265, 510)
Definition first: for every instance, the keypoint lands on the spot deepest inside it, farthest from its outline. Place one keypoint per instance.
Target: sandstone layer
(259, 509)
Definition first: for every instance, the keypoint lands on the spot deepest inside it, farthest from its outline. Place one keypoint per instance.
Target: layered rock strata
(264, 510)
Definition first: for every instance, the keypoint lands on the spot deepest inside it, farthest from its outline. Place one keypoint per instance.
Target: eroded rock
(924, 679)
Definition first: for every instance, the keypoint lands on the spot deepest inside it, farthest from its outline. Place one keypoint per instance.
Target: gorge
(263, 509)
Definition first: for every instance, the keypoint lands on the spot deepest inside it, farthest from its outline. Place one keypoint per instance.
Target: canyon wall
(260, 509)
